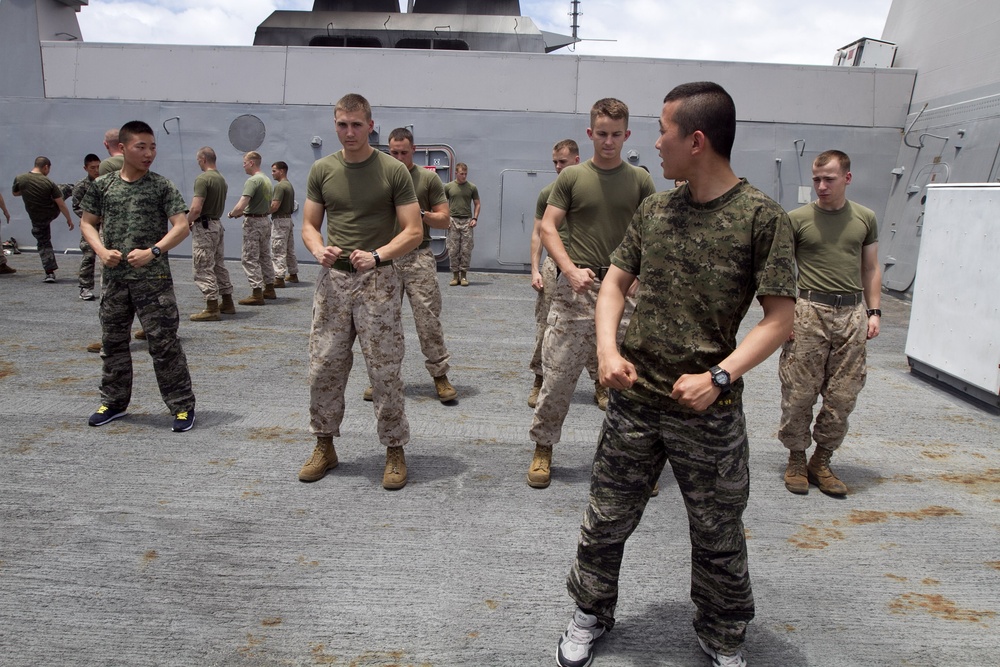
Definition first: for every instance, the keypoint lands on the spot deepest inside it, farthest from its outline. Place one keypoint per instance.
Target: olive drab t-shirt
(543, 203)
(211, 185)
(700, 266)
(599, 204)
(360, 198)
(460, 198)
(828, 246)
(39, 194)
(113, 163)
(258, 188)
(135, 216)
(285, 194)
(429, 190)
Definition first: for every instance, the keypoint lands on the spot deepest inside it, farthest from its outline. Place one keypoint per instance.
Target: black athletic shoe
(104, 415)
(183, 421)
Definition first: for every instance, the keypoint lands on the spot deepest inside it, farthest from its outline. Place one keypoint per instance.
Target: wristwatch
(874, 311)
(721, 379)
(156, 252)
(378, 260)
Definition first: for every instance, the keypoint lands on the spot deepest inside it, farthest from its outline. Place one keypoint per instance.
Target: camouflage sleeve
(774, 256)
(79, 191)
(173, 201)
(628, 255)
(91, 202)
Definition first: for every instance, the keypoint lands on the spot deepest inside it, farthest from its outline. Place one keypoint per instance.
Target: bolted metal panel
(481, 7)
(355, 6)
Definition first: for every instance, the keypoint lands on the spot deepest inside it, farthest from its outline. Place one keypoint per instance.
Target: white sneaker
(576, 646)
(719, 660)
(86, 294)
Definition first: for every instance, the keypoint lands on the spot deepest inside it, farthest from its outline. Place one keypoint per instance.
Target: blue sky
(772, 31)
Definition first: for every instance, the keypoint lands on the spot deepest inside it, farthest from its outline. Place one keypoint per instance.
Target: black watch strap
(874, 311)
(378, 260)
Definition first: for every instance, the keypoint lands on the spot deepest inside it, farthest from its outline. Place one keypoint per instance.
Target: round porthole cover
(246, 133)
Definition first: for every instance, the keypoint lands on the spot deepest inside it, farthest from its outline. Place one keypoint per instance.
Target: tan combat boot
(535, 389)
(445, 391)
(455, 280)
(255, 299)
(601, 396)
(227, 306)
(323, 458)
(368, 395)
(819, 473)
(464, 280)
(394, 476)
(541, 465)
(140, 334)
(292, 278)
(210, 314)
(269, 291)
(94, 347)
(279, 282)
(795, 473)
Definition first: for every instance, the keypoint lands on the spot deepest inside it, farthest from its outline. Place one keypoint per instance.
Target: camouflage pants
(569, 345)
(283, 246)
(208, 259)
(256, 255)
(709, 455)
(42, 231)
(827, 357)
(88, 265)
(418, 271)
(543, 303)
(154, 303)
(459, 244)
(364, 305)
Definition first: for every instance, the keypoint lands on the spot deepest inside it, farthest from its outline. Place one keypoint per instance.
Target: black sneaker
(183, 421)
(104, 415)
(576, 646)
(49, 278)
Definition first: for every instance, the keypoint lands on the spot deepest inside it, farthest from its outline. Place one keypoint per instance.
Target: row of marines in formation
(648, 288)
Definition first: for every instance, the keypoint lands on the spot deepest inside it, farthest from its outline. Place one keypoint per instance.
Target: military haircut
(131, 129)
(461, 166)
(706, 107)
(111, 137)
(569, 144)
(281, 166)
(90, 157)
(352, 102)
(401, 134)
(208, 154)
(41, 162)
(254, 157)
(610, 107)
(839, 156)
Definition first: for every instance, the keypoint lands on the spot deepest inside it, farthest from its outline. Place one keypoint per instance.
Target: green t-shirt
(211, 185)
(360, 198)
(429, 190)
(543, 203)
(828, 246)
(39, 195)
(108, 165)
(599, 204)
(460, 198)
(258, 188)
(284, 193)
(700, 266)
(135, 215)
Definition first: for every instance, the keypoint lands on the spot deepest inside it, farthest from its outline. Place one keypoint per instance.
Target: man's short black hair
(91, 158)
(132, 128)
(706, 106)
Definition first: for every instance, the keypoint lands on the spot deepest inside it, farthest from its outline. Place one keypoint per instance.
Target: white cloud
(774, 31)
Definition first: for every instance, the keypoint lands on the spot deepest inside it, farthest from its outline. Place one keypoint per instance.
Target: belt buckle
(839, 301)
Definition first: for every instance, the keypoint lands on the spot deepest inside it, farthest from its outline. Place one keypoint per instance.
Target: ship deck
(132, 545)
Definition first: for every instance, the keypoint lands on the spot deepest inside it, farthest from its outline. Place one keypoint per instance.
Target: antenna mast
(575, 25)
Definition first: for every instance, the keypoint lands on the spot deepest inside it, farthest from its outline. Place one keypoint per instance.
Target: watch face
(721, 379)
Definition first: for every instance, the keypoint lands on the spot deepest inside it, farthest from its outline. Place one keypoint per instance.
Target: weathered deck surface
(132, 545)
